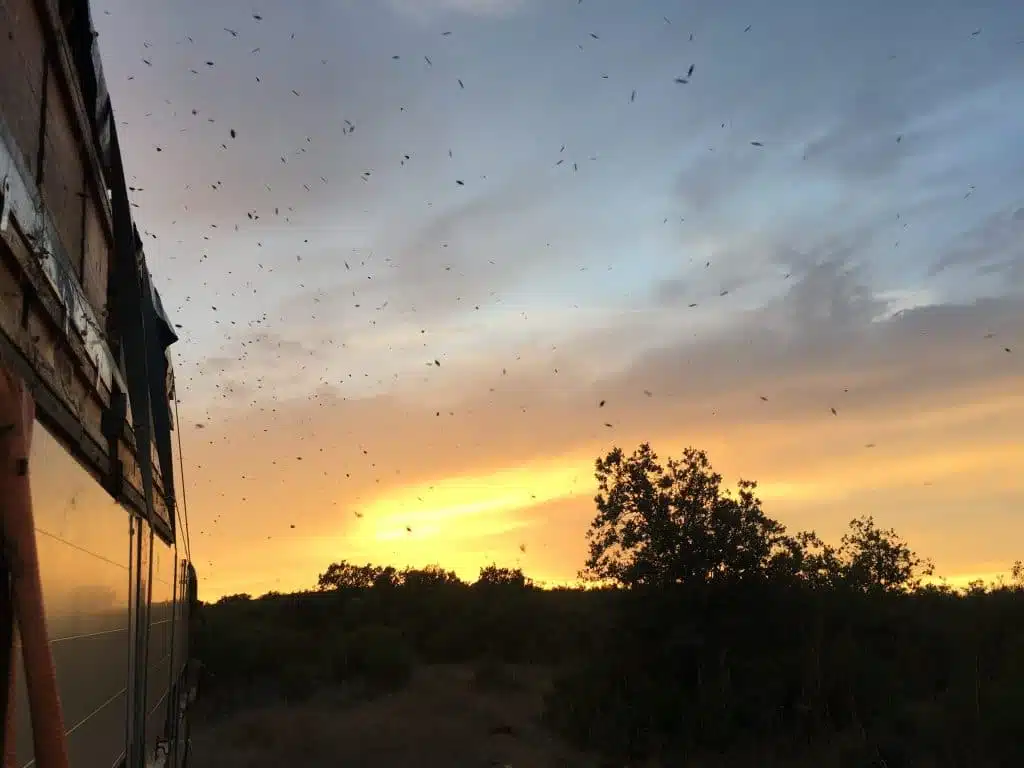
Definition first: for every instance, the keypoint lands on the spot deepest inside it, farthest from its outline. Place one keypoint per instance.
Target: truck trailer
(98, 593)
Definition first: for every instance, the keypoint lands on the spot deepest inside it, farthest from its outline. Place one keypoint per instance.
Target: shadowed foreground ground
(448, 716)
(444, 718)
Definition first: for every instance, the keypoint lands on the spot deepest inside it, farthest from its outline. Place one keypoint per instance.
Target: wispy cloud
(825, 215)
(426, 9)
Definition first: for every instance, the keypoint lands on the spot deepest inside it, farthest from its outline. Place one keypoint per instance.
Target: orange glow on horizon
(423, 497)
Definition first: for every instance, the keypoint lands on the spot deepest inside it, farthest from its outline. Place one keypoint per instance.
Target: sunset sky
(827, 214)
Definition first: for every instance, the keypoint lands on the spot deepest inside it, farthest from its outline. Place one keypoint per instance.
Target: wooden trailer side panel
(95, 261)
(21, 75)
(63, 172)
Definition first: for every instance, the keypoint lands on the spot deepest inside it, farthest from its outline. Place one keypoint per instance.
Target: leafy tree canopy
(674, 523)
(667, 523)
(493, 575)
(346, 575)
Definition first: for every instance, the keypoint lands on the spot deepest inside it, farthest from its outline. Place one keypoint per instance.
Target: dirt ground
(443, 719)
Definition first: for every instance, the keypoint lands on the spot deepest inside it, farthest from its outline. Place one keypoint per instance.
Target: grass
(443, 718)
(484, 715)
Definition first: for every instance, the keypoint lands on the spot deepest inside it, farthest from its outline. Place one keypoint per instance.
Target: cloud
(926, 408)
(423, 9)
(822, 339)
(818, 346)
(836, 266)
(994, 247)
(457, 258)
(880, 132)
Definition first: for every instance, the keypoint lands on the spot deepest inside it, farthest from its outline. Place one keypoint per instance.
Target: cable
(181, 466)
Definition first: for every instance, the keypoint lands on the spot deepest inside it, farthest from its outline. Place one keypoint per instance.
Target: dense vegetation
(705, 628)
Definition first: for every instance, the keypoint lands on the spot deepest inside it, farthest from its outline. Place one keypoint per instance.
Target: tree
(492, 575)
(876, 560)
(242, 597)
(806, 558)
(346, 575)
(429, 576)
(675, 524)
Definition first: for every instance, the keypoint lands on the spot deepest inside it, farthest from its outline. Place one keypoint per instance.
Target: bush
(906, 678)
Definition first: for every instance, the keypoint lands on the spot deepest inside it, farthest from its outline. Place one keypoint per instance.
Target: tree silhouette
(428, 577)
(873, 559)
(1017, 574)
(673, 523)
(776, 645)
(493, 576)
(346, 575)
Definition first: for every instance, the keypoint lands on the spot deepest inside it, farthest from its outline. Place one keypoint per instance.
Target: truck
(98, 596)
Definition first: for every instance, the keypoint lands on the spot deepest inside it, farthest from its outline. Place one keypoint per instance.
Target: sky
(411, 245)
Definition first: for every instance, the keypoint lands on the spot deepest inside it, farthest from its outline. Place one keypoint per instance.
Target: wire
(181, 466)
